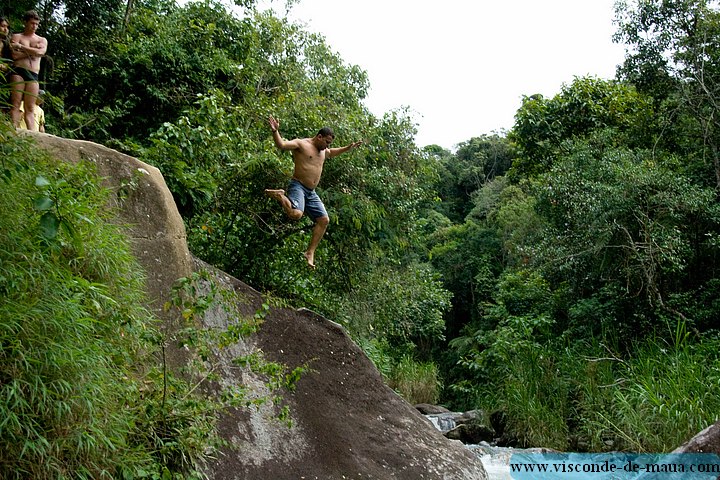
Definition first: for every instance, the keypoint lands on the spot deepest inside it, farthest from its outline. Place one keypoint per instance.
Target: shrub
(416, 382)
(72, 326)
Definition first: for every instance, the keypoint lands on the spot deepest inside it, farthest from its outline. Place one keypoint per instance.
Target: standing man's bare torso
(25, 59)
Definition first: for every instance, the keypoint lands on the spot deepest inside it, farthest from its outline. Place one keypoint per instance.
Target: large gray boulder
(346, 423)
(144, 205)
(707, 441)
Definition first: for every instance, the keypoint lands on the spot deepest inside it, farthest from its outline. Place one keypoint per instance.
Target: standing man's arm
(21, 50)
(40, 50)
(280, 142)
(16, 47)
(334, 152)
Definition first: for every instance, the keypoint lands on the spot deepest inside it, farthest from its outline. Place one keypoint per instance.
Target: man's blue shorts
(306, 200)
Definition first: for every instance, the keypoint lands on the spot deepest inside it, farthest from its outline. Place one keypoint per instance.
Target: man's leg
(32, 90)
(317, 233)
(280, 196)
(17, 89)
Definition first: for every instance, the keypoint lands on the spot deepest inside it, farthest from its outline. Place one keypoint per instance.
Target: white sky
(462, 66)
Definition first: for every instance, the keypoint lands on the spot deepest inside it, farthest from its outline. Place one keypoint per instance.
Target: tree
(675, 56)
(585, 106)
(476, 162)
(628, 223)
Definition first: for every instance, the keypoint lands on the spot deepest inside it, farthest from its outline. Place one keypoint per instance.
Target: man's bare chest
(32, 42)
(311, 156)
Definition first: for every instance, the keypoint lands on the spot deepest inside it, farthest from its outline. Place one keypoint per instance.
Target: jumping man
(309, 155)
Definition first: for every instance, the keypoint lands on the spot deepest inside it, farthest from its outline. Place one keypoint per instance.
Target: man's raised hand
(274, 123)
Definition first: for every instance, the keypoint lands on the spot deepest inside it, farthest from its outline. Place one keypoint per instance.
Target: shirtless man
(28, 48)
(309, 155)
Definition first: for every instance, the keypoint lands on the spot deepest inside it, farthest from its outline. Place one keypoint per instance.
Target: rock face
(346, 423)
(707, 441)
(144, 205)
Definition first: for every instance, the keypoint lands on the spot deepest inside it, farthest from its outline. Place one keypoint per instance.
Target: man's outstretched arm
(334, 152)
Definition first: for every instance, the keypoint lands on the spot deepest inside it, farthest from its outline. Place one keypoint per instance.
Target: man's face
(326, 140)
(32, 25)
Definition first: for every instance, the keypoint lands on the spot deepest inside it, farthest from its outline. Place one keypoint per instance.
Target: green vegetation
(80, 396)
(85, 392)
(593, 319)
(566, 274)
(416, 382)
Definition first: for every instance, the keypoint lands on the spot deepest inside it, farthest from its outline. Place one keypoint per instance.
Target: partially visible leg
(17, 89)
(317, 233)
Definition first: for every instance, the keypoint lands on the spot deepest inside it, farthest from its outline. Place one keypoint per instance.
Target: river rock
(471, 433)
(707, 441)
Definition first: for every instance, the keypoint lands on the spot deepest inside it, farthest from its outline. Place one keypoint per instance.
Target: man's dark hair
(31, 15)
(326, 132)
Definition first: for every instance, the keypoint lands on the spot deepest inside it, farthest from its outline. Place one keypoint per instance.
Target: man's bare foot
(310, 257)
(276, 194)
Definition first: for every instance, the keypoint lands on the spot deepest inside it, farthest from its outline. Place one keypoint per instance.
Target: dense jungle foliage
(566, 274)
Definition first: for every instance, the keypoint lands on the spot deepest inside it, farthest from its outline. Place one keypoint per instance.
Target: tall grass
(417, 382)
(534, 394)
(79, 396)
(587, 397)
(662, 396)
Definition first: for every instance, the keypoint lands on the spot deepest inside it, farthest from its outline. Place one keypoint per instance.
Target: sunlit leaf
(41, 181)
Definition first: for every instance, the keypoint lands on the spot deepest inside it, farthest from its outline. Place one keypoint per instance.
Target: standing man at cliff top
(27, 49)
(309, 155)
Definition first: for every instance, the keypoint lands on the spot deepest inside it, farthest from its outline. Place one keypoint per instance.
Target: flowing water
(496, 460)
